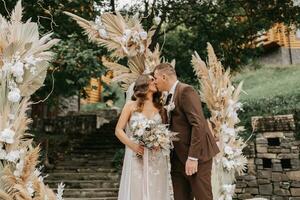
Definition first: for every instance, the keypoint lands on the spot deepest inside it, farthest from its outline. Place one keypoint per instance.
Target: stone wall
(77, 123)
(273, 168)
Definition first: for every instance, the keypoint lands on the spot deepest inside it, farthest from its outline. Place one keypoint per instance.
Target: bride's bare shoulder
(130, 105)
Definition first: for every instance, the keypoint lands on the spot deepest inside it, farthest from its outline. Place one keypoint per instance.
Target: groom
(191, 160)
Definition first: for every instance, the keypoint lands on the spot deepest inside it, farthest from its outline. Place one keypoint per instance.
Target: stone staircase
(87, 171)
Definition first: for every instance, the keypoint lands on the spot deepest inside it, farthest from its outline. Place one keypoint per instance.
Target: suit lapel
(175, 100)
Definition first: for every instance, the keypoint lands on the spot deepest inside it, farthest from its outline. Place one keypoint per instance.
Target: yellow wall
(95, 88)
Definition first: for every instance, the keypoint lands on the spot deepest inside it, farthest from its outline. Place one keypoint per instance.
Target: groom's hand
(191, 167)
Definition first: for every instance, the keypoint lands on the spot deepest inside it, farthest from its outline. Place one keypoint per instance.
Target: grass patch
(270, 91)
(268, 82)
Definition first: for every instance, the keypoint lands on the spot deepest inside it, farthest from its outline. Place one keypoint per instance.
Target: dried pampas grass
(222, 99)
(24, 60)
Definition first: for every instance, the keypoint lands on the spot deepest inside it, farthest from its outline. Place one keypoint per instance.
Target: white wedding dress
(146, 178)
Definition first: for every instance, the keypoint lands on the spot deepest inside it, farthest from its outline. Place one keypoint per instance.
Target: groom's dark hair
(166, 68)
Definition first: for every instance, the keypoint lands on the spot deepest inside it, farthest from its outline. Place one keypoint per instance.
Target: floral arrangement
(124, 37)
(152, 135)
(24, 60)
(222, 99)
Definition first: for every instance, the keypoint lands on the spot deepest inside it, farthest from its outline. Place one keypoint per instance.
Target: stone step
(92, 192)
(103, 198)
(82, 157)
(96, 147)
(82, 184)
(92, 151)
(91, 167)
(99, 143)
(70, 169)
(83, 162)
(83, 176)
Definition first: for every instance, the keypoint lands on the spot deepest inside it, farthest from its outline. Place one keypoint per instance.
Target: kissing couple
(150, 173)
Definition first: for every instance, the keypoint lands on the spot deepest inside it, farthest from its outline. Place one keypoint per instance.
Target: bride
(145, 174)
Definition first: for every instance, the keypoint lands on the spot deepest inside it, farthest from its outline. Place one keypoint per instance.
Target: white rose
(139, 132)
(7, 136)
(18, 69)
(228, 150)
(2, 153)
(143, 35)
(14, 95)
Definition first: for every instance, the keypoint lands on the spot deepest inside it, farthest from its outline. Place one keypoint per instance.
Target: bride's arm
(121, 135)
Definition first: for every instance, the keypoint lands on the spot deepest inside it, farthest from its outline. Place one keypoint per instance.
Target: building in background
(281, 45)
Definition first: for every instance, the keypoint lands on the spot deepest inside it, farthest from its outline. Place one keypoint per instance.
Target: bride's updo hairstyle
(140, 91)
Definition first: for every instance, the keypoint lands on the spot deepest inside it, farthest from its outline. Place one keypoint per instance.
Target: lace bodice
(138, 116)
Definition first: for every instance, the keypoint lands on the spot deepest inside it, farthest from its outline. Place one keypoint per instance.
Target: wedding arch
(24, 60)
(125, 37)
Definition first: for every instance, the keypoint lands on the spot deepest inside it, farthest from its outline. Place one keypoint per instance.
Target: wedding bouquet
(153, 136)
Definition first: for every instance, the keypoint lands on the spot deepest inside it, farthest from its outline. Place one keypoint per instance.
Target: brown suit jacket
(195, 138)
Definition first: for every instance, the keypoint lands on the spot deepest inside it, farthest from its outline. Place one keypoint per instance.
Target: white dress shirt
(172, 91)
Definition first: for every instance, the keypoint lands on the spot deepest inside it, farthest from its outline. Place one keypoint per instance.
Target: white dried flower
(14, 95)
(17, 69)
(29, 187)
(227, 130)
(7, 136)
(170, 107)
(228, 150)
(103, 33)
(228, 164)
(60, 191)
(30, 60)
(139, 132)
(228, 191)
(143, 35)
(6, 67)
(13, 156)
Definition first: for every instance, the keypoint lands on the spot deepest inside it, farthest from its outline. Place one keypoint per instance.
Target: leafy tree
(230, 26)
(77, 59)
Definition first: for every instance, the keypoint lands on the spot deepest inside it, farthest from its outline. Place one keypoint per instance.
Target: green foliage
(118, 159)
(270, 81)
(77, 59)
(114, 92)
(271, 91)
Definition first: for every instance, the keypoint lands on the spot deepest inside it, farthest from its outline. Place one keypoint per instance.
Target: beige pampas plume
(16, 15)
(123, 37)
(88, 26)
(221, 99)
